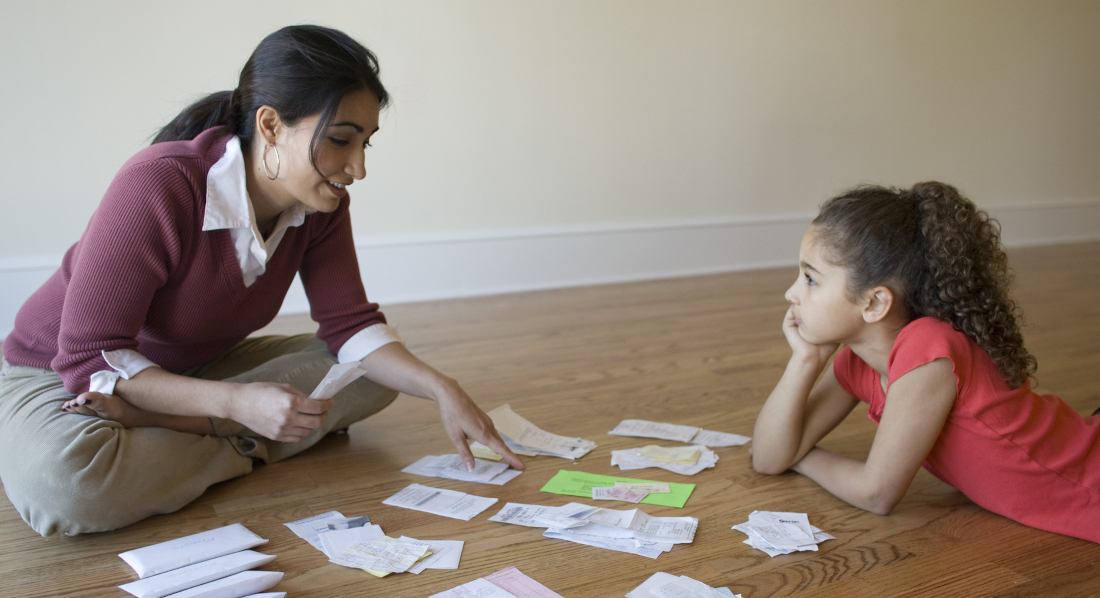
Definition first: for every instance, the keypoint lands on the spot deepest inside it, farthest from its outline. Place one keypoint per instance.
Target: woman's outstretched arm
(917, 405)
(802, 409)
(393, 366)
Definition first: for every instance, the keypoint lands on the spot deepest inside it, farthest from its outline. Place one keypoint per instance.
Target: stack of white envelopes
(641, 428)
(452, 467)
(525, 438)
(355, 543)
(684, 460)
(632, 531)
(663, 585)
(215, 563)
(777, 533)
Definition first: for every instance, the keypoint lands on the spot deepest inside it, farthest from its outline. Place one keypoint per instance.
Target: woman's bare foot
(108, 407)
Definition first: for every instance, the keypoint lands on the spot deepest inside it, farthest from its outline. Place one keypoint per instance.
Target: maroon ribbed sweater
(145, 276)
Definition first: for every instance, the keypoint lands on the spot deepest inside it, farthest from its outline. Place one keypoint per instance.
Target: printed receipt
(448, 503)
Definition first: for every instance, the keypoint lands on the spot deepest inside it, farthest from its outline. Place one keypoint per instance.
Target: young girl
(129, 384)
(913, 283)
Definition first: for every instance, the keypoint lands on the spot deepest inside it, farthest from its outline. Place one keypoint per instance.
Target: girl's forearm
(779, 426)
(848, 480)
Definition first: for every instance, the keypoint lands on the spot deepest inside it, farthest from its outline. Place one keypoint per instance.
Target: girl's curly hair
(938, 252)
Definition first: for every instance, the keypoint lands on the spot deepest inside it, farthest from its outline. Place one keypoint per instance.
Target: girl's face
(341, 153)
(823, 310)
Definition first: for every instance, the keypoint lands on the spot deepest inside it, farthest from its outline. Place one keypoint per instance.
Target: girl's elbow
(764, 466)
(882, 501)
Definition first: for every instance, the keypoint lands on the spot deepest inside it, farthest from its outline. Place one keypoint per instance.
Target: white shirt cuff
(366, 341)
(127, 363)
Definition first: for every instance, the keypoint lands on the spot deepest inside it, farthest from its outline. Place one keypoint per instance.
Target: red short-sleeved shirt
(1028, 457)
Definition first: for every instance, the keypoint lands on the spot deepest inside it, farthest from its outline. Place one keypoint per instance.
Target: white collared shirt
(228, 207)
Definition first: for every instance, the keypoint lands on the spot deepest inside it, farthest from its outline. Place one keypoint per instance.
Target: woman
(134, 355)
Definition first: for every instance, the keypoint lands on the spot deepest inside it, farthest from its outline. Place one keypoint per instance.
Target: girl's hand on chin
(802, 348)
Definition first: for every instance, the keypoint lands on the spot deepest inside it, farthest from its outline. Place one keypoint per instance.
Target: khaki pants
(72, 474)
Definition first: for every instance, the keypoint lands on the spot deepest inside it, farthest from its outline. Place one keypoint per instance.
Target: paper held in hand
(525, 438)
(641, 428)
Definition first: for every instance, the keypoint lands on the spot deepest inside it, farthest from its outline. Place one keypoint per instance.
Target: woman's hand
(804, 350)
(277, 411)
(463, 420)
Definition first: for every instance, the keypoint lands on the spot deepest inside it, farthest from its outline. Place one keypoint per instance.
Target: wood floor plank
(703, 351)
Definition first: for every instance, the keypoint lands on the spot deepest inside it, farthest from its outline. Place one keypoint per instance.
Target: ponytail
(211, 111)
(300, 71)
(941, 256)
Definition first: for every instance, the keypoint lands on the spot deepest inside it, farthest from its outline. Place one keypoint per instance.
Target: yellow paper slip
(688, 455)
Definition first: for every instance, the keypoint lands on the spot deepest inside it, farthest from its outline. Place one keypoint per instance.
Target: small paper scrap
(674, 459)
(686, 455)
(648, 487)
(777, 532)
(617, 493)
(529, 439)
(452, 467)
(663, 585)
(384, 554)
(646, 429)
(438, 501)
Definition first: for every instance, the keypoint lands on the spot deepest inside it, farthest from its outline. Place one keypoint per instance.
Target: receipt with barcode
(438, 501)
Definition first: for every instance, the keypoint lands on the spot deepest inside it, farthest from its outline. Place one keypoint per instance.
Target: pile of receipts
(684, 460)
(215, 563)
(632, 531)
(663, 585)
(355, 542)
(778, 533)
(452, 467)
(525, 438)
(506, 583)
(641, 428)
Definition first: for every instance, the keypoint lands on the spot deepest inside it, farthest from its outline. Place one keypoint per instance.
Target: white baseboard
(402, 269)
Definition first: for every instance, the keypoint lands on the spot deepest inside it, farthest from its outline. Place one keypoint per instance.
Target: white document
(663, 585)
(383, 554)
(675, 530)
(719, 439)
(188, 550)
(648, 487)
(647, 429)
(513, 580)
(530, 436)
(629, 459)
(452, 467)
(777, 533)
(617, 493)
(241, 584)
(309, 528)
(617, 544)
(338, 376)
(446, 554)
(533, 515)
(267, 595)
(177, 580)
(448, 503)
(478, 588)
(336, 541)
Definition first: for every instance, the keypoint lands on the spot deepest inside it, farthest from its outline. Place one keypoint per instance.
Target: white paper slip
(663, 585)
(675, 530)
(336, 541)
(267, 595)
(647, 429)
(776, 532)
(719, 439)
(446, 554)
(448, 503)
(514, 581)
(616, 544)
(188, 550)
(177, 580)
(648, 487)
(530, 436)
(452, 467)
(383, 554)
(478, 588)
(629, 459)
(309, 528)
(616, 493)
(533, 515)
(234, 586)
(338, 376)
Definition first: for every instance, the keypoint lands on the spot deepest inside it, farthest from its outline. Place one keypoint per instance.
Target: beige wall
(512, 114)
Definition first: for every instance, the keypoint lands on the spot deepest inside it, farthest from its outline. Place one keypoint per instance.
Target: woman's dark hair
(941, 256)
(299, 71)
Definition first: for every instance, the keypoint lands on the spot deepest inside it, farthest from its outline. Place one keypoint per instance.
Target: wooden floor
(701, 351)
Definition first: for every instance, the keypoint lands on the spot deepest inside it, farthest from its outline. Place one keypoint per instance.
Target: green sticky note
(579, 483)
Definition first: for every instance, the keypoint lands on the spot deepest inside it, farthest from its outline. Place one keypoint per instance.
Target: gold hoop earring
(278, 162)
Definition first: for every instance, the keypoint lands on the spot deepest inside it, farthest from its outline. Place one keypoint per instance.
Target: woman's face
(341, 153)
